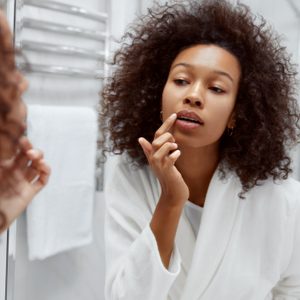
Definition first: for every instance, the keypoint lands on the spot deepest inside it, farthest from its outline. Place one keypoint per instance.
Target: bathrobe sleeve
(134, 269)
(288, 288)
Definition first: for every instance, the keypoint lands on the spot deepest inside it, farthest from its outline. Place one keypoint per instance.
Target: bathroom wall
(285, 19)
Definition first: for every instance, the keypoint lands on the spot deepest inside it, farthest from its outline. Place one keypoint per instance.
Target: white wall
(285, 20)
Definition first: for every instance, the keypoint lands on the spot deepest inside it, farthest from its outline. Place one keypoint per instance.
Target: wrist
(171, 202)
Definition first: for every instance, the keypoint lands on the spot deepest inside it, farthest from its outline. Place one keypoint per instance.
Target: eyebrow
(219, 72)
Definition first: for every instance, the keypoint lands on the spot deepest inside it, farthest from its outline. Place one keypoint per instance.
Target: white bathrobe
(245, 249)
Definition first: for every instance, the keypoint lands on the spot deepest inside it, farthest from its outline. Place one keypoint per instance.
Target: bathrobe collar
(203, 256)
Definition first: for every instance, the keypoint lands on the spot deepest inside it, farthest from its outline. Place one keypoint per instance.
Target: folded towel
(60, 216)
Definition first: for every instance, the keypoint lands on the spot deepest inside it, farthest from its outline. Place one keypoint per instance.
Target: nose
(193, 101)
(194, 96)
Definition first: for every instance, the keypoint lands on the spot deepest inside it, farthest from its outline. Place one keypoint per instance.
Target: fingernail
(173, 116)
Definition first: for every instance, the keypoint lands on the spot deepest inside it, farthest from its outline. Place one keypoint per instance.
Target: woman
(23, 172)
(199, 206)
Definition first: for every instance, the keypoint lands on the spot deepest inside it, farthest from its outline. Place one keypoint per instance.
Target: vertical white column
(3, 258)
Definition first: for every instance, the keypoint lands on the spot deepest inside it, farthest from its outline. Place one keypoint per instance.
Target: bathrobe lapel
(218, 219)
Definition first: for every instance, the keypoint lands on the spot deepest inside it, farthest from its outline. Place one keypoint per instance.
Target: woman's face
(201, 88)
(14, 124)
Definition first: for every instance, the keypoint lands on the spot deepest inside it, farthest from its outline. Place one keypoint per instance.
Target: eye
(217, 90)
(180, 81)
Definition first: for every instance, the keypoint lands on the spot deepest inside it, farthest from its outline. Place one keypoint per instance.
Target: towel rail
(59, 49)
(66, 8)
(63, 29)
(60, 70)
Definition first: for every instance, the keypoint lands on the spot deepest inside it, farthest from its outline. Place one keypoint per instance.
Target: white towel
(60, 216)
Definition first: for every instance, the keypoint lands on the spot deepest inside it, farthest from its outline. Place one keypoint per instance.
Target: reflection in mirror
(198, 201)
(57, 251)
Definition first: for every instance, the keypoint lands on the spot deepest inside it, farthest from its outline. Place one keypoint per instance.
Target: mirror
(64, 76)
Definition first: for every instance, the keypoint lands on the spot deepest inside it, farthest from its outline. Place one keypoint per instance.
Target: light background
(79, 274)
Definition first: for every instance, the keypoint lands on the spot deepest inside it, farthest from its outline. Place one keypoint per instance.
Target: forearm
(164, 225)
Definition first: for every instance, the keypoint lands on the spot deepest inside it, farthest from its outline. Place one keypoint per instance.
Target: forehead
(209, 57)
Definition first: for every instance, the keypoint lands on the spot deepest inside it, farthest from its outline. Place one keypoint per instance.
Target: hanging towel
(60, 216)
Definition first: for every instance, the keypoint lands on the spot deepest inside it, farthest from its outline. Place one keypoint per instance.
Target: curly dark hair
(9, 90)
(10, 131)
(266, 110)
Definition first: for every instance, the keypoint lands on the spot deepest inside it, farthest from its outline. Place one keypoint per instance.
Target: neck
(197, 166)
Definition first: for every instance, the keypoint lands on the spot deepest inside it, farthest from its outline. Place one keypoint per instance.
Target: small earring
(161, 115)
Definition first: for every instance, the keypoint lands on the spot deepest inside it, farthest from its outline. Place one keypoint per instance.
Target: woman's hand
(21, 178)
(162, 154)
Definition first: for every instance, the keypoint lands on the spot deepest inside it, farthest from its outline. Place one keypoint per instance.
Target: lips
(189, 116)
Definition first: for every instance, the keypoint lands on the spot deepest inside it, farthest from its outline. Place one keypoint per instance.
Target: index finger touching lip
(168, 123)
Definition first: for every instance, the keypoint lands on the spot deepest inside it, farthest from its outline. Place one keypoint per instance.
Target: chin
(190, 142)
(195, 142)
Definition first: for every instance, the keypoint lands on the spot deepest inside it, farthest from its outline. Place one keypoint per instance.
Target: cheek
(221, 112)
(170, 98)
(166, 102)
